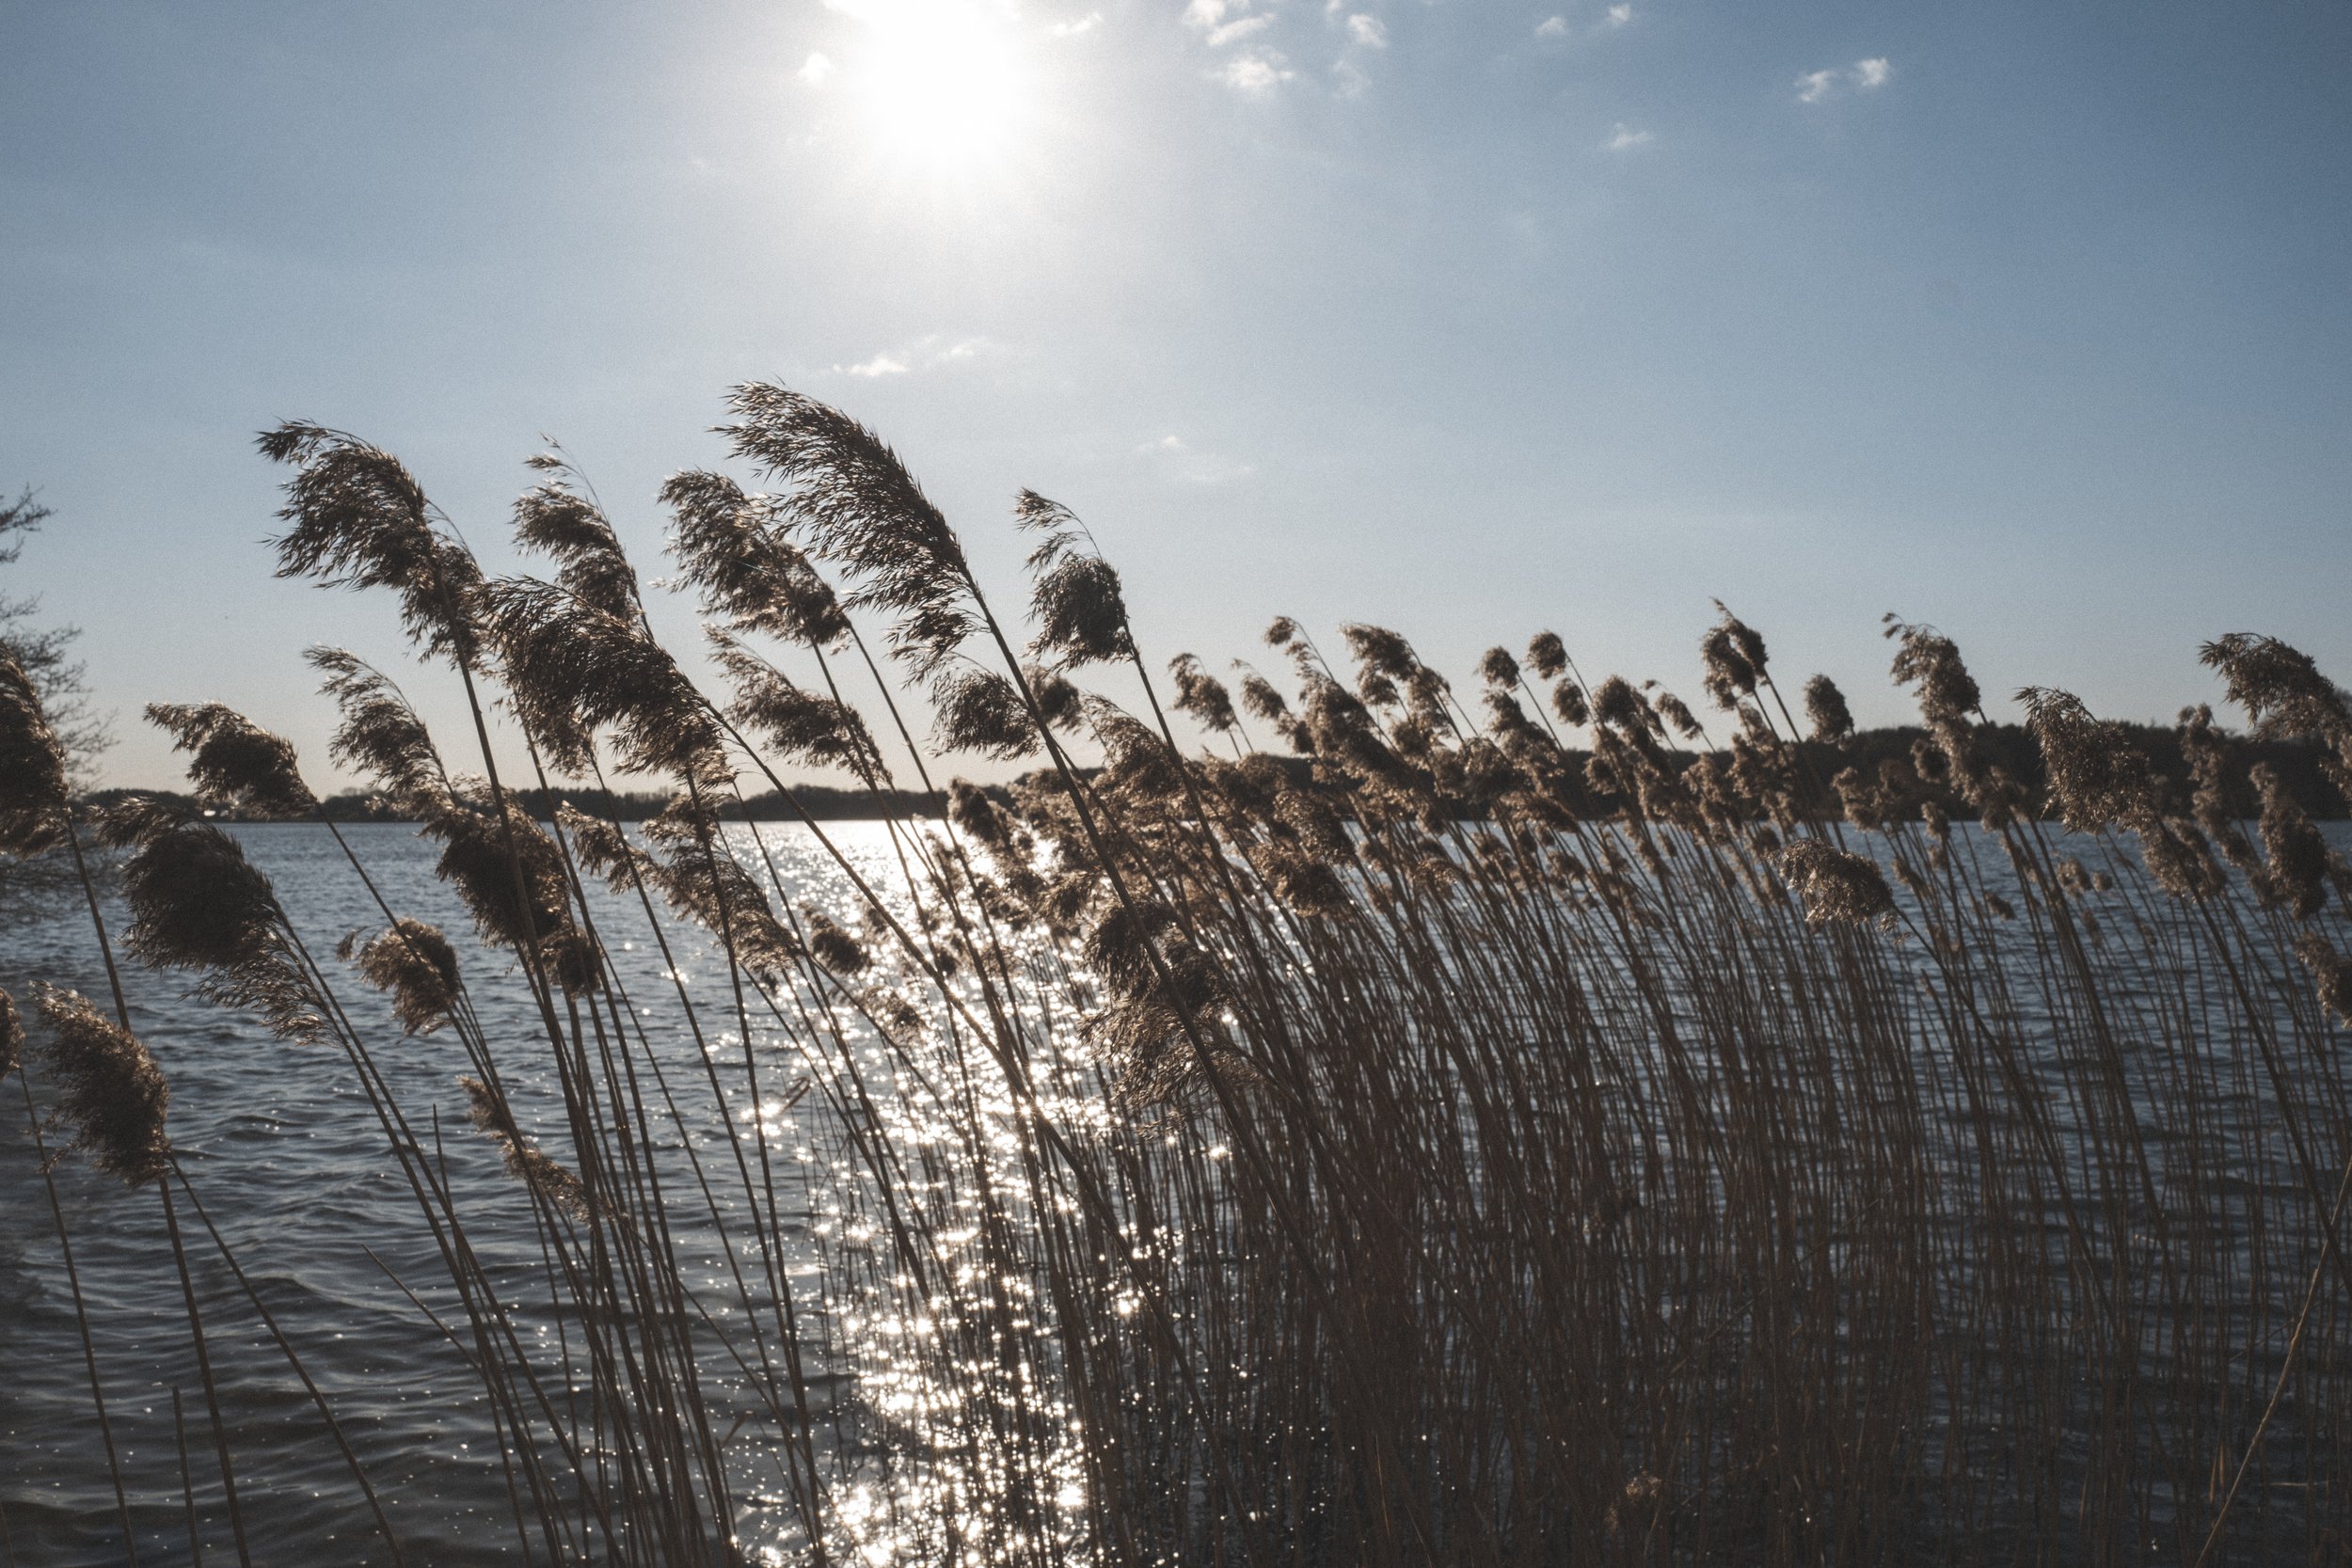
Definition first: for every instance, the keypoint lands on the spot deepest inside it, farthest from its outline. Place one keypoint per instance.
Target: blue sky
(1470, 318)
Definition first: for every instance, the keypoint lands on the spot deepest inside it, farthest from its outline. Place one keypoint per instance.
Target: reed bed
(1375, 1122)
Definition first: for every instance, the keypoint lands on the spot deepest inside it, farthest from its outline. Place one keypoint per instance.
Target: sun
(944, 84)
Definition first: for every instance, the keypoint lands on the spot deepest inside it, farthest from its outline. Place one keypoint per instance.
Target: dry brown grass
(1441, 1144)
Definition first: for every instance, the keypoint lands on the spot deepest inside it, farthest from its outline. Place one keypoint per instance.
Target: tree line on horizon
(2296, 763)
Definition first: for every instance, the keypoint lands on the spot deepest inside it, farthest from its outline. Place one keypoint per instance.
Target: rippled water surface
(290, 1162)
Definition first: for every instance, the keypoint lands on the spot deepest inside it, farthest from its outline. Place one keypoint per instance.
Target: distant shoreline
(2300, 766)
(821, 803)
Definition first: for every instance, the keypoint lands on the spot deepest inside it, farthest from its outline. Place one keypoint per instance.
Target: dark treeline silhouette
(817, 800)
(2297, 764)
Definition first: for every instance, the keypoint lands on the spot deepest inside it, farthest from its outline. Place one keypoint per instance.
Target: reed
(1553, 1125)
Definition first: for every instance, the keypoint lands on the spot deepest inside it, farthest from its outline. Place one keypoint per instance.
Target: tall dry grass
(1512, 1128)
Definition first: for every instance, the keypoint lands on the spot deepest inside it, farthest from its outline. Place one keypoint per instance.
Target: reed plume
(526, 1161)
(511, 875)
(979, 710)
(969, 809)
(1202, 696)
(110, 1093)
(234, 762)
(859, 508)
(1074, 598)
(751, 577)
(1676, 712)
(1547, 655)
(1732, 657)
(1262, 700)
(358, 519)
(2331, 973)
(1825, 710)
(559, 520)
(2097, 777)
(2279, 687)
(573, 670)
(1836, 886)
(832, 946)
(380, 734)
(196, 901)
(803, 727)
(413, 963)
(32, 767)
(2297, 872)
(2208, 755)
(12, 1036)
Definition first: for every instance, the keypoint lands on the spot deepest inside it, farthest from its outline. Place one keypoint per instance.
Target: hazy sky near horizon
(1467, 317)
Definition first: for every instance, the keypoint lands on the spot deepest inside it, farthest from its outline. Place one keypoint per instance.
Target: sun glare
(944, 81)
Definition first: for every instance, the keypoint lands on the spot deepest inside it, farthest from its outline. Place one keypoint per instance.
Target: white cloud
(1623, 136)
(1086, 24)
(1255, 72)
(928, 353)
(1368, 30)
(1620, 15)
(1864, 77)
(1552, 27)
(1180, 460)
(815, 69)
(1224, 21)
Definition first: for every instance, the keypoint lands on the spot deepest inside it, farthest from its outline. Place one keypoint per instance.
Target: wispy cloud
(1223, 23)
(1609, 20)
(1624, 138)
(1370, 31)
(1181, 461)
(1086, 24)
(815, 69)
(933, 352)
(1862, 77)
(1209, 15)
(1260, 72)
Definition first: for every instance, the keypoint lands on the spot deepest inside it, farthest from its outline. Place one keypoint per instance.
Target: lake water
(291, 1162)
